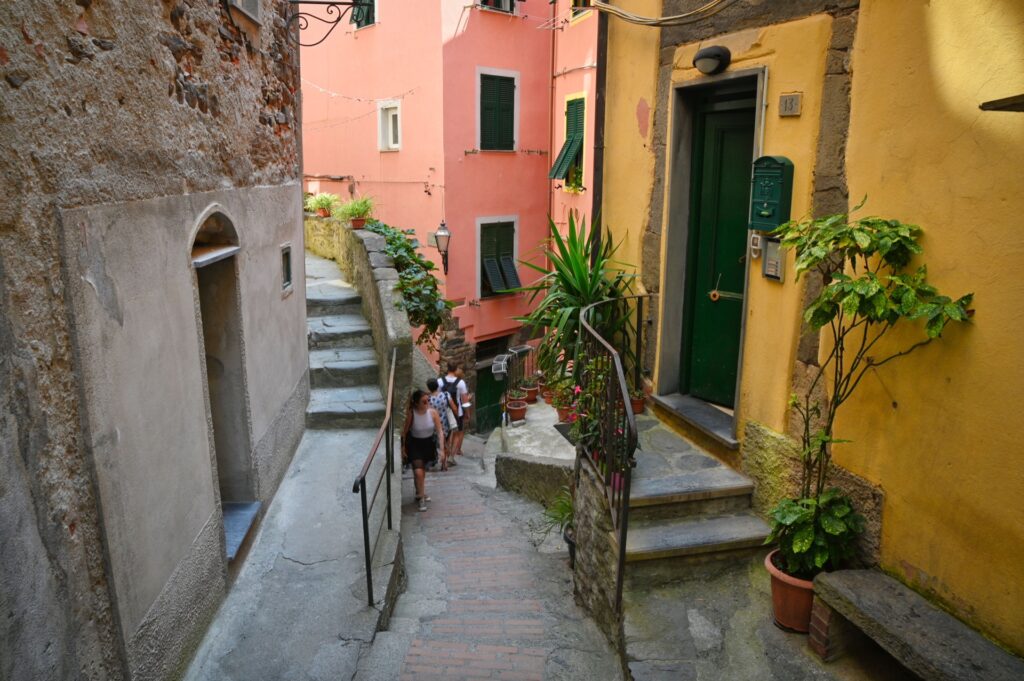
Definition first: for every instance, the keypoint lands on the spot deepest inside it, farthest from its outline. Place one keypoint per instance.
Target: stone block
(535, 477)
(385, 274)
(843, 31)
(378, 259)
(371, 241)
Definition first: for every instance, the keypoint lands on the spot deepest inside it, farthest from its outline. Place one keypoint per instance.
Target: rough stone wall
(596, 559)
(102, 102)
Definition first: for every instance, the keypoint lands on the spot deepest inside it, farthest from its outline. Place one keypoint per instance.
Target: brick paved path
(482, 601)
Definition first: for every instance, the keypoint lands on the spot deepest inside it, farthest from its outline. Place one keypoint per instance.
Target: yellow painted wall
(950, 456)
(632, 79)
(794, 54)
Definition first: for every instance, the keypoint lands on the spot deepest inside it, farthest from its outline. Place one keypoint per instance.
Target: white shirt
(461, 390)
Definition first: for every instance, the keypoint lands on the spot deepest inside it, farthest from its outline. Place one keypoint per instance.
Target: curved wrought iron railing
(614, 355)
(385, 434)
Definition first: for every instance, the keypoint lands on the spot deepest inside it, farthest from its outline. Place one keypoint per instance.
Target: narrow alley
(482, 600)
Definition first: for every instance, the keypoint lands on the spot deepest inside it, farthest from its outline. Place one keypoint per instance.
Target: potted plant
(562, 400)
(530, 386)
(559, 514)
(637, 400)
(357, 211)
(867, 289)
(322, 204)
(516, 409)
(581, 272)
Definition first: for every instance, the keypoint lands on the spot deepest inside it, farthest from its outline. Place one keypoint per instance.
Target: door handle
(715, 295)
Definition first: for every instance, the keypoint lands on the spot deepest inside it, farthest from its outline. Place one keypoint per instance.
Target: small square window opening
(389, 127)
(286, 267)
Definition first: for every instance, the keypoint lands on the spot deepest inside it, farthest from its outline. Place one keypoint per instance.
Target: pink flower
(577, 390)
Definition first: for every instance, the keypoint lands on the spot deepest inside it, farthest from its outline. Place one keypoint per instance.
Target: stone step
(352, 407)
(333, 297)
(684, 537)
(660, 552)
(342, 367)
(706, 491)
(339, 331)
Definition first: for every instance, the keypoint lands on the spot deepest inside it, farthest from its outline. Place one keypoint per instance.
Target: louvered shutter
(506, 113)
(362, 13)
(490, 269)
(572, 149)
(506, 254)
(489, 112)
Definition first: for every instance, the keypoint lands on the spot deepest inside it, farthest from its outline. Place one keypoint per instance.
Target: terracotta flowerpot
(323, 212)
(638, 404)
(792, 598)
(516, 410)
(564, 413)
(548, 396)
(357, 223)
(531, 395)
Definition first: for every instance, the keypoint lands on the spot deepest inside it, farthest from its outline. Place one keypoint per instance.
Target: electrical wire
(701, 12)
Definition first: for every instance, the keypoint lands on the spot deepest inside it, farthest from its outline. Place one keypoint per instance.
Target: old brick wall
(102, 102)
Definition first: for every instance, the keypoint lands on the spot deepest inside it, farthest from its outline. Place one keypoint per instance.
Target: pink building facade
(403, 110)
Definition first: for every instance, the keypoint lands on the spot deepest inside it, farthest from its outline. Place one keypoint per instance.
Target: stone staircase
(343, 368)
(686, 509)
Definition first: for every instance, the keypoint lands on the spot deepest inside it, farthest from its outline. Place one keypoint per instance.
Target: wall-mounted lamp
(712, 60)
(441, 238)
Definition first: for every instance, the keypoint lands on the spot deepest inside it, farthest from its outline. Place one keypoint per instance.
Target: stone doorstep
(339, 330)
(707, 483)
(680, 537)
(928, 641)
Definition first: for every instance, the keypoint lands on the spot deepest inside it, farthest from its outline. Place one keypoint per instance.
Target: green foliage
(357, 208)
(559, 513)
(572, 283)
(590, 395)
(865, 293)
(322, 201)
(421, 295)
(816, 533)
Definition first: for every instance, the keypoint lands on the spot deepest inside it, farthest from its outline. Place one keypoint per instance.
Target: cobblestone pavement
(483, 600)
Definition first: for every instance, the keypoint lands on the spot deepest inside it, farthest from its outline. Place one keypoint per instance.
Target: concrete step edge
(751, 536)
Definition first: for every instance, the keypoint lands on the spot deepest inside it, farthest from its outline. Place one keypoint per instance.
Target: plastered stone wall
(596, 558)
(100, 103)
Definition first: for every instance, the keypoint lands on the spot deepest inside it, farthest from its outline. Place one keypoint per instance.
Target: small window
(499, 5)
(498, 271)
(363, 13)
(568, 165)
(579, 6)
(497, 113)
(286, 267)
(251, 8)
(389, 127)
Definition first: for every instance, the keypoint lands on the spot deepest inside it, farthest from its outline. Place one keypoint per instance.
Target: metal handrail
(613, 458)
(387, 434)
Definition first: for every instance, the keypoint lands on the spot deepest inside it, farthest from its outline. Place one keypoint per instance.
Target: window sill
(389, 151)
(498, 296)
(495, 151)
(363, 28)
(493, 10)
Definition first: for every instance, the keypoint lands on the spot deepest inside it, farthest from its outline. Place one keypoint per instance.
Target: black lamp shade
(712, 60)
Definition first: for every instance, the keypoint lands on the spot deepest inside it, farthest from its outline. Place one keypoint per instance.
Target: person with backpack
(455, 385)
(442, 402)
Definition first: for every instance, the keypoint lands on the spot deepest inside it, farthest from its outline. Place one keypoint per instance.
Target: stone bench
(926, 640)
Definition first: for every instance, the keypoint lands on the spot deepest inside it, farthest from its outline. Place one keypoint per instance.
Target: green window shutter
(491, 280)
(362, 13)
(572, 149)
(497, 112)
(506, 244)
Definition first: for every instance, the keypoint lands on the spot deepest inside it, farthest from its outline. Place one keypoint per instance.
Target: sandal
(423, 499)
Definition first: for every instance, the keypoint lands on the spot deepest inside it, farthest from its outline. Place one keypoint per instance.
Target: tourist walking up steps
(442, 402)
(456, 387)
(419, 445)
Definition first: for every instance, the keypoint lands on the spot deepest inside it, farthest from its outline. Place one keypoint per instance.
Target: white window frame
(480, 222)
(384, 141)
(487, 71)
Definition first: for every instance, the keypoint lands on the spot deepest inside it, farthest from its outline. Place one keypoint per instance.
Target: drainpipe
(551, 109)
(599, 104)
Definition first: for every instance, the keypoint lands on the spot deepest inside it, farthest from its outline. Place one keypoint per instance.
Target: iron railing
(614, 360)
(385, 434)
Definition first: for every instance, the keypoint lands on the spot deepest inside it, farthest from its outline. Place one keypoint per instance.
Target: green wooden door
(723, 149)
(488, 400)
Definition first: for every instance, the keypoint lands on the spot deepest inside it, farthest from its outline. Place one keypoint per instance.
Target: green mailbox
(771, 193)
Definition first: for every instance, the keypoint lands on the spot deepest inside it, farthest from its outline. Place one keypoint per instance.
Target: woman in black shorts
(419, 446)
